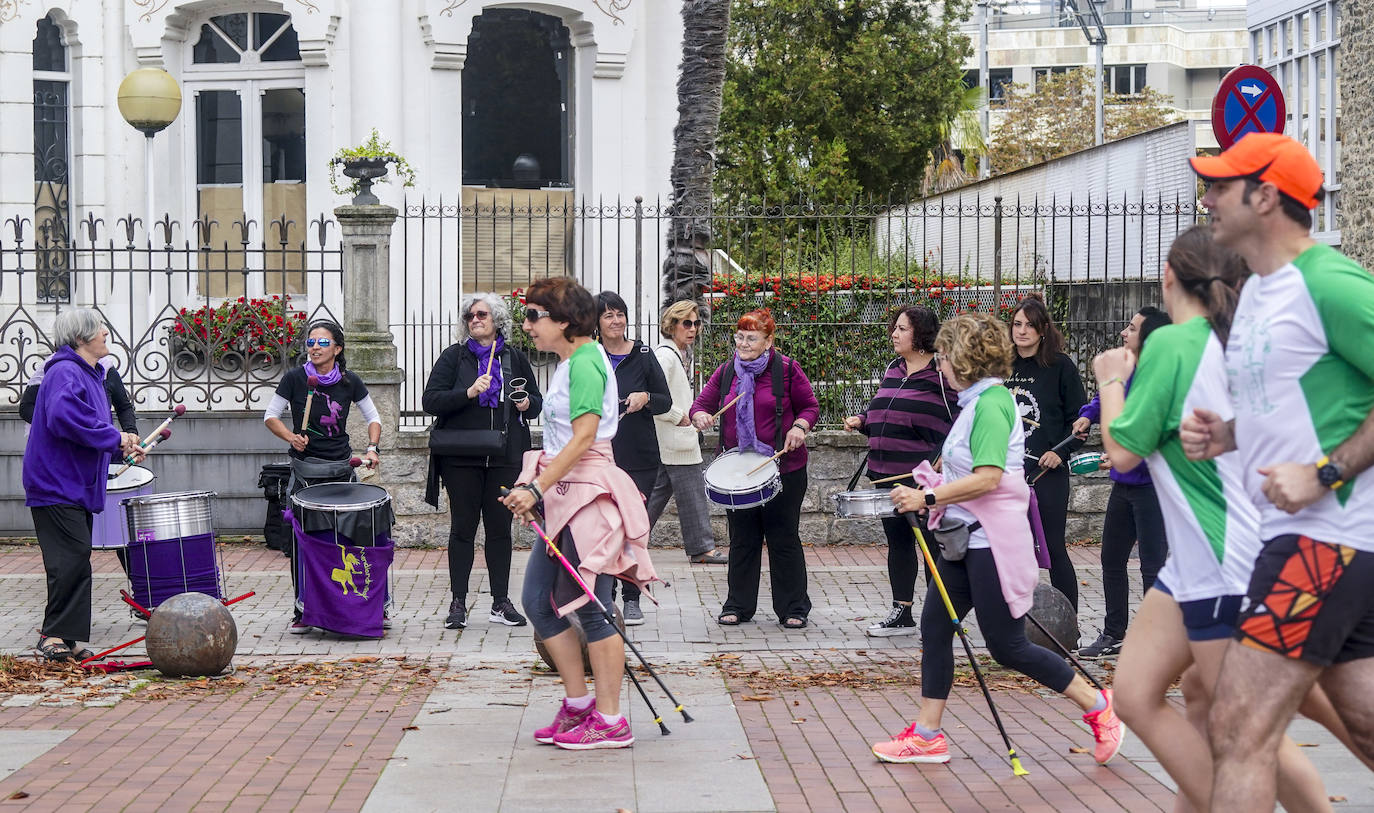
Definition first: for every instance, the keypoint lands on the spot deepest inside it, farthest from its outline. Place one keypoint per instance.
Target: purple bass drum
(172, 546)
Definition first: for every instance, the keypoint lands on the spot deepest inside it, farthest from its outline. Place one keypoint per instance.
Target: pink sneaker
(909, 747)
(1107, 730)
(567, 719)
(595, 732)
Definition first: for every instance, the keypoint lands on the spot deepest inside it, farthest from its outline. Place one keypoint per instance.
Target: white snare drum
(865, 502)
(109, 528)
(730, 484)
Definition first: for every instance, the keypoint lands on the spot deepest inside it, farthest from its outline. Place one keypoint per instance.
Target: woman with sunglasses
(470, 390)
(320, 448)
(643, 394)
(764, 423)
(580, 498)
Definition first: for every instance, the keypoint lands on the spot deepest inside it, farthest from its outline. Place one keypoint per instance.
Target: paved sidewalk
(435, 719)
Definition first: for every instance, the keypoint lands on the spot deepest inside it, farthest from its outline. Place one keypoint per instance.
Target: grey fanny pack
(952, 536)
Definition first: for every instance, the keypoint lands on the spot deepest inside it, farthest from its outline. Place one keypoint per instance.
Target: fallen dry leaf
(18, 794)
(729, 656)
(1306, 744)
(1335, 798)
(410, 728)
(362, 659)
(799, 721)
(745, 756)
(1078, 750)
(758, 697)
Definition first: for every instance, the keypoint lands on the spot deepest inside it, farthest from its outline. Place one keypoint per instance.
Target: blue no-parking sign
(1248, 101)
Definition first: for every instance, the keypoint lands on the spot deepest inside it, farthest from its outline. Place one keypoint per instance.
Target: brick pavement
(288, 748)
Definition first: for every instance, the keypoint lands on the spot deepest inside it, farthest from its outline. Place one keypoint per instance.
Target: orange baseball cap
(1271, 157)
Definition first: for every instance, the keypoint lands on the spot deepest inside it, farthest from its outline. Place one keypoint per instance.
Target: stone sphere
(191, 635)
(1052, 609)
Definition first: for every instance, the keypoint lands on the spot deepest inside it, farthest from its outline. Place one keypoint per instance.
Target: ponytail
(1210, 273)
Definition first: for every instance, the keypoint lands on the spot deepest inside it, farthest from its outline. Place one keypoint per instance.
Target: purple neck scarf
(325, 380)
(746, 433)
(491, 398)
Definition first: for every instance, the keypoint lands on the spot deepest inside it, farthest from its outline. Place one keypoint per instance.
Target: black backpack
(727, 377)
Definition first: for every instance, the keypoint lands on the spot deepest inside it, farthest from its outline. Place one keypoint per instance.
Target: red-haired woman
(776, 411)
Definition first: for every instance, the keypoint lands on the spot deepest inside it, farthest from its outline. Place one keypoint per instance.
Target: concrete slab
(19, 748)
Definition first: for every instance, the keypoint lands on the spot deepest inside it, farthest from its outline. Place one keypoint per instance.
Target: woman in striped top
(906, 422)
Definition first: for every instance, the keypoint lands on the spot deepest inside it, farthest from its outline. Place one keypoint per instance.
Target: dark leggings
(644, 481)
(1132, 514)
(1052, 494)
(474, 493)
(903, 557)
(541, 572)
(972, 583)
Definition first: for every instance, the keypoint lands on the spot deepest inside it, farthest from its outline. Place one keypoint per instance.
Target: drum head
(132, 478)
(731, 471)
(341, 497)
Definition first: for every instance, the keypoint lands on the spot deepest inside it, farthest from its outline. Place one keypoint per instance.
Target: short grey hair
(75, 326)
(494, 302)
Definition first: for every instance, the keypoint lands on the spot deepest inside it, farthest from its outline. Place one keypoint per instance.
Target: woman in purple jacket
(65, 463)
(1133, 515)
(753, 424)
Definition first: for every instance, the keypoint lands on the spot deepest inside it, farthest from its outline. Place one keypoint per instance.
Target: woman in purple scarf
(752, 424)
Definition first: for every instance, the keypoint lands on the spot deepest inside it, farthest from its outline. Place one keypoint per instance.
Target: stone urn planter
(365, 171)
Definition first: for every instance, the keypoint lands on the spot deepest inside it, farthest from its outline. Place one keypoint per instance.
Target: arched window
(247, 81)
(52, 162)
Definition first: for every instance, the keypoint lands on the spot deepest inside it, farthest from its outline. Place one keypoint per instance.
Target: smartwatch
(930, 499)
(1329, 473)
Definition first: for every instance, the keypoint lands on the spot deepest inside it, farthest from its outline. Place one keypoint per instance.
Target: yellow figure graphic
(344, 575)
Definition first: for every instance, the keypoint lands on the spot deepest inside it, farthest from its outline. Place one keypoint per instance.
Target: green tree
(1058, 117)
(836, 99)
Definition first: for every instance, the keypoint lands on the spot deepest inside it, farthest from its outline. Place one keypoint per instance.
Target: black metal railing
(211, 326)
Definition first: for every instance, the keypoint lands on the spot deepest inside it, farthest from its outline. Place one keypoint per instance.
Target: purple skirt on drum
(162, 568)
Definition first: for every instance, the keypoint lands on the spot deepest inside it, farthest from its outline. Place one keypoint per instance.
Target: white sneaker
(898, 622)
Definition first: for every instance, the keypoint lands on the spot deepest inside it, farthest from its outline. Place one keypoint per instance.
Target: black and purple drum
(110, 528)
(172, 546)
(343, 556)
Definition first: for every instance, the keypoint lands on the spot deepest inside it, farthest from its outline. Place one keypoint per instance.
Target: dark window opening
(515, 100)
(219, 131)
(51, 166)
(49, 54)
(224, 39)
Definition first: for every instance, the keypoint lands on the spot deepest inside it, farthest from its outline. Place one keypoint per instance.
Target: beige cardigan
(677, 445)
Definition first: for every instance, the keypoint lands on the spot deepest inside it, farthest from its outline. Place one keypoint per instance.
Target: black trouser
(903, 555)
(474, 492)
(1132, 514)
(64, 537)
(775, 522)
(973, 584)
(1052, 495)
(644, 481)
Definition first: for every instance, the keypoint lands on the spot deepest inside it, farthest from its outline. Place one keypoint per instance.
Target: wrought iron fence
(208, 326)
(831, 274)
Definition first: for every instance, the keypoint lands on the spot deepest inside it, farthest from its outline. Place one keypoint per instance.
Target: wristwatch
(1329, 473)
(930, 499)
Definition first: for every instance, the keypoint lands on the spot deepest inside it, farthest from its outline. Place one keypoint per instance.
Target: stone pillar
(1356, 80)
(371, 349)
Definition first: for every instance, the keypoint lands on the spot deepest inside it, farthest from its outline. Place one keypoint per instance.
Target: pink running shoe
(567, 719)
(1107, 730)
(909, 747)
(595, 732)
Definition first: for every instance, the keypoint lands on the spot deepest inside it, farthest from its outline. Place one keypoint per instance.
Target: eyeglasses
(318, 342)
(484, 315)
(692, 322)
(741, 338)
(534, 314)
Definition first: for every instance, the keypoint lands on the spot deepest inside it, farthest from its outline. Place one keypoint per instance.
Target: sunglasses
(692, 322)
(484, 315)
(534, 314)
(318, 342)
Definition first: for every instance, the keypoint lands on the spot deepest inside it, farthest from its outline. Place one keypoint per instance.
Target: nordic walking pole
(1016, 768)
(1094, 681)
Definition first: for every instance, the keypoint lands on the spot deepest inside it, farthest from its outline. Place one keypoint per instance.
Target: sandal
(710, 557)
(794, 623)
(728, 619)
(82, 654)
(54, 649)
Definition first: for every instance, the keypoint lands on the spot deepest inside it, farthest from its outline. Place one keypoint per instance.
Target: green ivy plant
(373, 147)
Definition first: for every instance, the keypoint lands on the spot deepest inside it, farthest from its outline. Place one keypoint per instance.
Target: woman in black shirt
(643, 394)
(470, 389)
(1048, 392)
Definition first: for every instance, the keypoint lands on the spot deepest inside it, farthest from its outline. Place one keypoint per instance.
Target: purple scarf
(746, 433)
(325, 380)
(491, 398)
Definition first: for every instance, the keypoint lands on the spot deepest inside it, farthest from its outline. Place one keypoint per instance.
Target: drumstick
(490, 358)
(894, 478)
(312, 381)
(766, 462)
(176, 413)
(1036, 424)
(357, 462)
(166, 433)
(727, 406)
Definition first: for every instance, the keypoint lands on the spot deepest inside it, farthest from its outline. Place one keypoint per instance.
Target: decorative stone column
(1356, 80)
(371, 350)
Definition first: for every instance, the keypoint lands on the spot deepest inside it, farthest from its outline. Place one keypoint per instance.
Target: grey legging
(537, 595)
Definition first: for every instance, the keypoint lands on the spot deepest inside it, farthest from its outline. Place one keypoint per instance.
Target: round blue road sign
(1248, 101)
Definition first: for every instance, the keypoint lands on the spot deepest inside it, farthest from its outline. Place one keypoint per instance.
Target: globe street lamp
(149, 99)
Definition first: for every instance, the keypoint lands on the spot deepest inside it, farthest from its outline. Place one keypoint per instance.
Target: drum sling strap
(727, 377)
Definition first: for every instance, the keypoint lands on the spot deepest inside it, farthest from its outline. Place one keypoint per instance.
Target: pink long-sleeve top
(799, 401)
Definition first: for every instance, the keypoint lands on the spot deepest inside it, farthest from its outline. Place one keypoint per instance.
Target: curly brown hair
(976, 345)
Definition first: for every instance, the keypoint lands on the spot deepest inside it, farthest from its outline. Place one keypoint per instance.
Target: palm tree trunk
(701, 77)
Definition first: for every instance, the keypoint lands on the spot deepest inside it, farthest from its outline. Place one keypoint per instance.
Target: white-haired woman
(478, 439)
(65, 462)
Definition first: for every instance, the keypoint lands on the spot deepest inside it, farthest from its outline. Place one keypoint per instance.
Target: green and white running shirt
(580, 385)
(1301, 366)
(988, 432)
(1211, 524)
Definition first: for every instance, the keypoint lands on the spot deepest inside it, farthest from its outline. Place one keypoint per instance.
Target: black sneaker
(1104, 647)
(457, 614)
(632, 614)
(503, 612)
(898, 622)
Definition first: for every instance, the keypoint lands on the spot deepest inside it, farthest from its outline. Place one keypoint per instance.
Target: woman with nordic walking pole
(594, 514)
(994, 571)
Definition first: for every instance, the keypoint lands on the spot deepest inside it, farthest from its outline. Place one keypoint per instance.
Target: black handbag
(472, 442)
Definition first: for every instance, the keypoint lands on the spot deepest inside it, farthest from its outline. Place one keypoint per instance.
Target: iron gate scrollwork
(51, 201)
